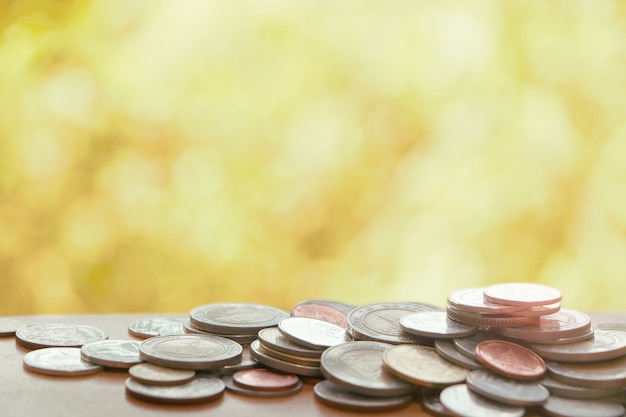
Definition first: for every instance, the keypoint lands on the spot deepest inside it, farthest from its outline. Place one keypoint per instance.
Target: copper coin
(321, 311)
(265, 379)
(522, 294)
(510, 359)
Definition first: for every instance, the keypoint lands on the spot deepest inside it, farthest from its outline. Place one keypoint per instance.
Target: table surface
(24, 393)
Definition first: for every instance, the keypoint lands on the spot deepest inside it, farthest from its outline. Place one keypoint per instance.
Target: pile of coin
(501, 350)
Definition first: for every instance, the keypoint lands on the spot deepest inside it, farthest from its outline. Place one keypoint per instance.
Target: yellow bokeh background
(159, 155)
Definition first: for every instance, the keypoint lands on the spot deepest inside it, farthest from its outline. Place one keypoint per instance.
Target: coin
(422, 365)
(273, 339)
(358, 366)
(606, 344)
(232, 386)
(569, 407)
(315, 362)
(429, 398)
(242, 339)
(565, 323)
(609, 373)
(507, 390)
(435, 324)
(170, 329)
(337, 396)
(381, 322)
(510, 359)
(198, 390)
(236, 318)
(472, 300)
(112, 353)
(257, 353)
(562, 389)
(461, 401)
(522, 294)
(467, 345)
(320, 310)
(265, 379)
(559, 341)
(312, 333)
(59, 361)
(488, 320)
(190, 351)
(36, 336)
(9, 325)
(148, 373)
(246, 362)
(447, 351)
(149, 327)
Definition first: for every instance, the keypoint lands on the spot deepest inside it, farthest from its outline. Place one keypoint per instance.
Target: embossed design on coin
(36, 336)
(339, 397)
(59, 362)
(190, 351)
(461, 401)
(312, 333)
(358, 366)
(148, 373)
(236, 318)
(510, 359)
(112, 353)
(522, 294)
(149, 327)
(200, 389)
(265, 379)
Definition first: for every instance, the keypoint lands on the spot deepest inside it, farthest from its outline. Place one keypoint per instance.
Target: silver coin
(345, 308)
(315, 362)
(246, 362)
(565, 323)
(61, 361)
(236, 318)
(10, 325)
(322, 310)
(467, 345)
(609, 373)
(36, 336)
(358, 367)
(606, 344)
(148, 373)
(171, 329)
(381, 322)
(472, 300)
(242, 339)
(232, 386)
(429, 398)
(190, 351)
(337, 396)
(561, 389)
(198, 390)
(273, 339)
(507, 390)
(558, 341)
(149, 326)
(462, 402)
(112, 353)
(569, 407)
(313, 333)
(271, 362)
(435, 324)
(447, 351)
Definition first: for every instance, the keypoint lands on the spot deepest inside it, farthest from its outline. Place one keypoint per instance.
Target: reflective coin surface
(461, 401)
(435, 324)
(522, 294)
(605, 344)
(313, 333)
(510, 359)
(150, 326)
(198, 390)
(337, 396)
(258, 353)
(250, 392)
(609, 373)
(447, 351)
(9, 325)
(265, 379)
(566, 407)
(507, 390)
(236, 318)
(272, 338)
(36, 336)
(151, 374)
(317, 309)
(112, 353)
(59, 362)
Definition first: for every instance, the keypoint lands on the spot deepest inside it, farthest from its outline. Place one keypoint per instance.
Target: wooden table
(24, 393)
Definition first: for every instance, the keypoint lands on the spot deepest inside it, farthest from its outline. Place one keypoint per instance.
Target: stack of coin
(263, 383)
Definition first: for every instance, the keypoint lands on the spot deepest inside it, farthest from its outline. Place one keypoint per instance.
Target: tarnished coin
(446, 350)
(337, 396)
(381, 322)
(149, 326)
(10, 325)
(609, 373)
(148, 373)
(273, 339)
(236, 318)
(190, 351)
(461, 401)
(422, 365)
(507, 390)
(36, 336)
(606, 344)
(61, 361)
(472, 300)
(265, 379)
(562, 389)
(569, 407)
(565, 323)
(112, 353)
(435, 324)
(358, 366)
(510, 359)
(522, 294)
(261, 356)
(233, 387)
(321, 310)
(313, 333)
(198, 390)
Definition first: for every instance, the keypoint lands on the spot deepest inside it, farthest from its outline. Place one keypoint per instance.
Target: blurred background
(159, 155)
